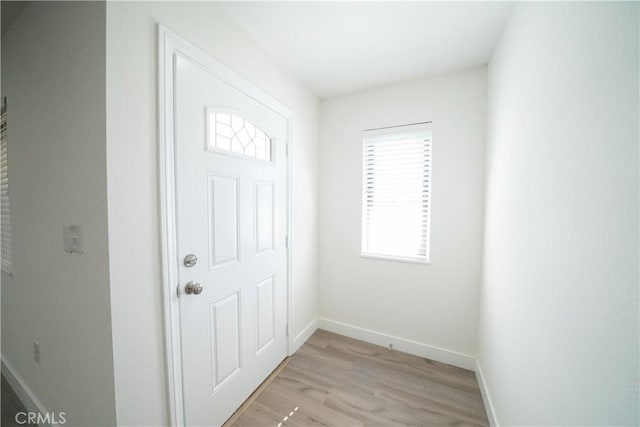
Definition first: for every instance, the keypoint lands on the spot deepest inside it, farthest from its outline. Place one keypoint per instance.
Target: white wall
(558, 342)
(132, 157)
(53, 71)
(433, 305)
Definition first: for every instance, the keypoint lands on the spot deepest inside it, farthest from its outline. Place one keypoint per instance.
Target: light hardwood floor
(338, 381)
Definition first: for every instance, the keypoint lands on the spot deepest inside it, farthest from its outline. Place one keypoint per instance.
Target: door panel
(231, 213)
(264, 217)
(223, 220)
(225, 339)
(265, 313)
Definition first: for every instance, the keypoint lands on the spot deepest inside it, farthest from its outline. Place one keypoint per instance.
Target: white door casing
(226, 201)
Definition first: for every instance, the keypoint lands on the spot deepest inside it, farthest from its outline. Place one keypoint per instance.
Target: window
(231, 133)
(396, 192)
(5, 232)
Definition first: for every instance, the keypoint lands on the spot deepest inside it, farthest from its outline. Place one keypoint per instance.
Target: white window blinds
(5, 234)
(396, 195)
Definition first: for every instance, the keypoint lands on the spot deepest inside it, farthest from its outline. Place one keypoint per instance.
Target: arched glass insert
(228, 132)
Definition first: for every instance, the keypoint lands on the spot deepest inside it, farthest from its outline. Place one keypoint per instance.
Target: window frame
(397, 131)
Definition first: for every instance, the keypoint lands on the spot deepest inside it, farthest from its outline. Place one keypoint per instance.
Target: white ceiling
(336, 48)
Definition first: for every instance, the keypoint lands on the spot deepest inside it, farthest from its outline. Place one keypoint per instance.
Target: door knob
(193, 287)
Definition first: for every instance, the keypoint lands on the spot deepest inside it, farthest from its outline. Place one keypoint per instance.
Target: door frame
(169, 45)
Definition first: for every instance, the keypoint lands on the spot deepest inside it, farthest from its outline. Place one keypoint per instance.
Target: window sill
(425, 261)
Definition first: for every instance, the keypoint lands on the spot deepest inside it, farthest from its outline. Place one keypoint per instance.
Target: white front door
(231, 213)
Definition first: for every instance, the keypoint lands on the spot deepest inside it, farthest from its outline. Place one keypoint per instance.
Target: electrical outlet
(72, 236)
(36, 351)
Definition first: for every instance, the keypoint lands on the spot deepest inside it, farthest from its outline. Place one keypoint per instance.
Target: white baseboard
(408, 346)
(486, 397)
(22, 390)
(303, 336)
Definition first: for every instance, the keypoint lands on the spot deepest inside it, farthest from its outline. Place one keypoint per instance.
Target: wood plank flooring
(338, 381)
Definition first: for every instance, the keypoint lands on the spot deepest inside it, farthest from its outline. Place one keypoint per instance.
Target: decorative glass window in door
(232, 133)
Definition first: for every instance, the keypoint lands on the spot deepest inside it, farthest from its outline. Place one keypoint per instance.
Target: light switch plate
(72, 235)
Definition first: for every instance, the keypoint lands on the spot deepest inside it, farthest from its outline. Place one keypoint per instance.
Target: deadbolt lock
(190, 260)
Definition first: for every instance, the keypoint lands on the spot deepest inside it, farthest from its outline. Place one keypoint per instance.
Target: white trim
(450, 357)
(170, 44)
(168, 230)
(304, 335)
(289, 236)
(486, 397)
(22, 390)
(424, 260)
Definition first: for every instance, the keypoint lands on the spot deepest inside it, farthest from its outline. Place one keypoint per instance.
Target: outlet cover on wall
(36, 351)
(72, 236)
